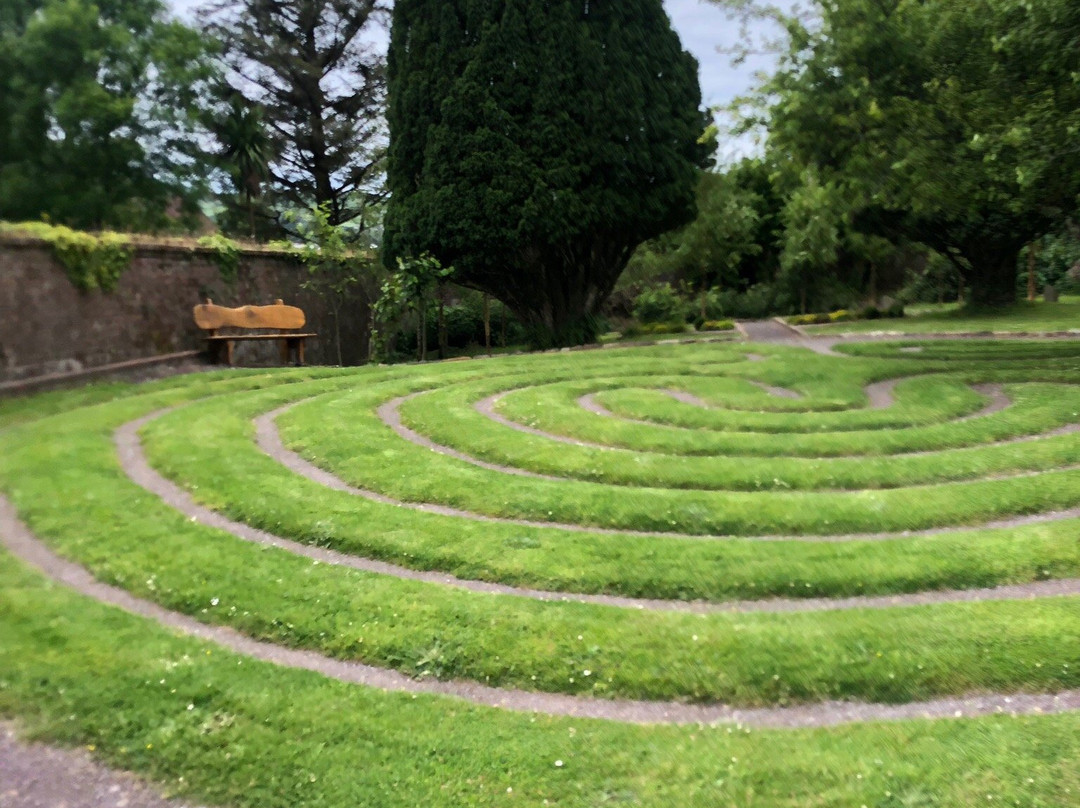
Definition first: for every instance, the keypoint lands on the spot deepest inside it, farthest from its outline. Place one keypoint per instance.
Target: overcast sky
(703, 28)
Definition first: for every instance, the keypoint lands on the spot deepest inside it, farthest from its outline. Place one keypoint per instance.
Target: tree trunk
(487, 323)
(419, 336)
(1032, 290)
(423, 330)
(336, 308)
(704, 292)
(502, 332)
(442, 322)
(558, 292)
(993, 274)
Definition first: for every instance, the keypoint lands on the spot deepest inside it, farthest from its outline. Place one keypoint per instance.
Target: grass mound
(724, 494)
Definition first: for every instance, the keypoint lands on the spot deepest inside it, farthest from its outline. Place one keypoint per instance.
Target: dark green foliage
(660, 304)
(246, 151)
(1057, 261)
(535, 144)
(98, 106)
(463, 318)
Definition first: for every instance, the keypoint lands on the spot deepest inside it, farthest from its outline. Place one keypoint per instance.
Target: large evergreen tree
(315, 73)
(534, 144)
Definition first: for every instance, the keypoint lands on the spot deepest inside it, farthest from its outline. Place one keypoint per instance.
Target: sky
(704, 30)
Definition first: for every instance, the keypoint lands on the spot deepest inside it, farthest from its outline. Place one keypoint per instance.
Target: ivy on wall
(225, 253)
(90, 261)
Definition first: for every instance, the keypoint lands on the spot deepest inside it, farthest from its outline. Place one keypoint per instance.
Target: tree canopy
(953, 123)
(98, 106)
(534, 145)
(317, 79)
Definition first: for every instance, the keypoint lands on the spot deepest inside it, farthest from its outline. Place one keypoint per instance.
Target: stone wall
(48, 326)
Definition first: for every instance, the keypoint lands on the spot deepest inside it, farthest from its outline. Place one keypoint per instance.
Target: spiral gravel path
(387, 431)
(138, 468)
(19, 541)
(269, 441)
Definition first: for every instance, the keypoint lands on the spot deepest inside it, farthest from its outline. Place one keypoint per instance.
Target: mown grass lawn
(1038, 317)
(223, 729)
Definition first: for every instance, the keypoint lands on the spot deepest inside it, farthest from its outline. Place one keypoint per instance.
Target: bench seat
(285, 320)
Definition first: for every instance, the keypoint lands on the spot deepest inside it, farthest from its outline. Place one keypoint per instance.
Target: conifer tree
(314, 72)
(534, 144)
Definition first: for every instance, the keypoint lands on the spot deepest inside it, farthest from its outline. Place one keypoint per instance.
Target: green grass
(1065, 352)
(85, 674)
(1023, 317)
(78, 673)
(448, 418)
(356, 446)
(126, 537)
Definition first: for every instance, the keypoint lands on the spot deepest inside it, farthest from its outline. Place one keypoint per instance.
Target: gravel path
(34, 775)
(22, 543)
(879, 394)
(390, 415)
(269, 441)
(135, 464)
(775, 332)
(486, 407)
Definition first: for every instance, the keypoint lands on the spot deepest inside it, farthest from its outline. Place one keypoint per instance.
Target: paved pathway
(33, 775)
(774, 332)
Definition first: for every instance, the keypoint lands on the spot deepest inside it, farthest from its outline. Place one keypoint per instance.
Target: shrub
(870, 313)
(895, 311)
(717, 325)
(841, 316)
(652, 329)
(660, 304)
(760, 300)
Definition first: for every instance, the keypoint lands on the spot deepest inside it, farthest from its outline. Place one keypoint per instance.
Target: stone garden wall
(48, 326)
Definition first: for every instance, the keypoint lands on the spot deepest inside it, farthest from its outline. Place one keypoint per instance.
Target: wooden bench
(285, 320)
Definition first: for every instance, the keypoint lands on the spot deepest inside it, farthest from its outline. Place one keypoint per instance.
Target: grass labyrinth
(792, 546)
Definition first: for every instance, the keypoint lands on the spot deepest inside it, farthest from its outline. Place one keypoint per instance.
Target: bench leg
(285, 346)
(229, 352)
(300, 351)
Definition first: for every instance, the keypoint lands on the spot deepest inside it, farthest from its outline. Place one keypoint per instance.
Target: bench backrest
(211, 317)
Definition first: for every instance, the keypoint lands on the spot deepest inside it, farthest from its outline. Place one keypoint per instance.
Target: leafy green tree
(813, 228)
(410, 287)
(99, 105)
(311, 69)
(534, 145)
(334, 267)
(708, 252)
(722, 236)
(948, 122)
